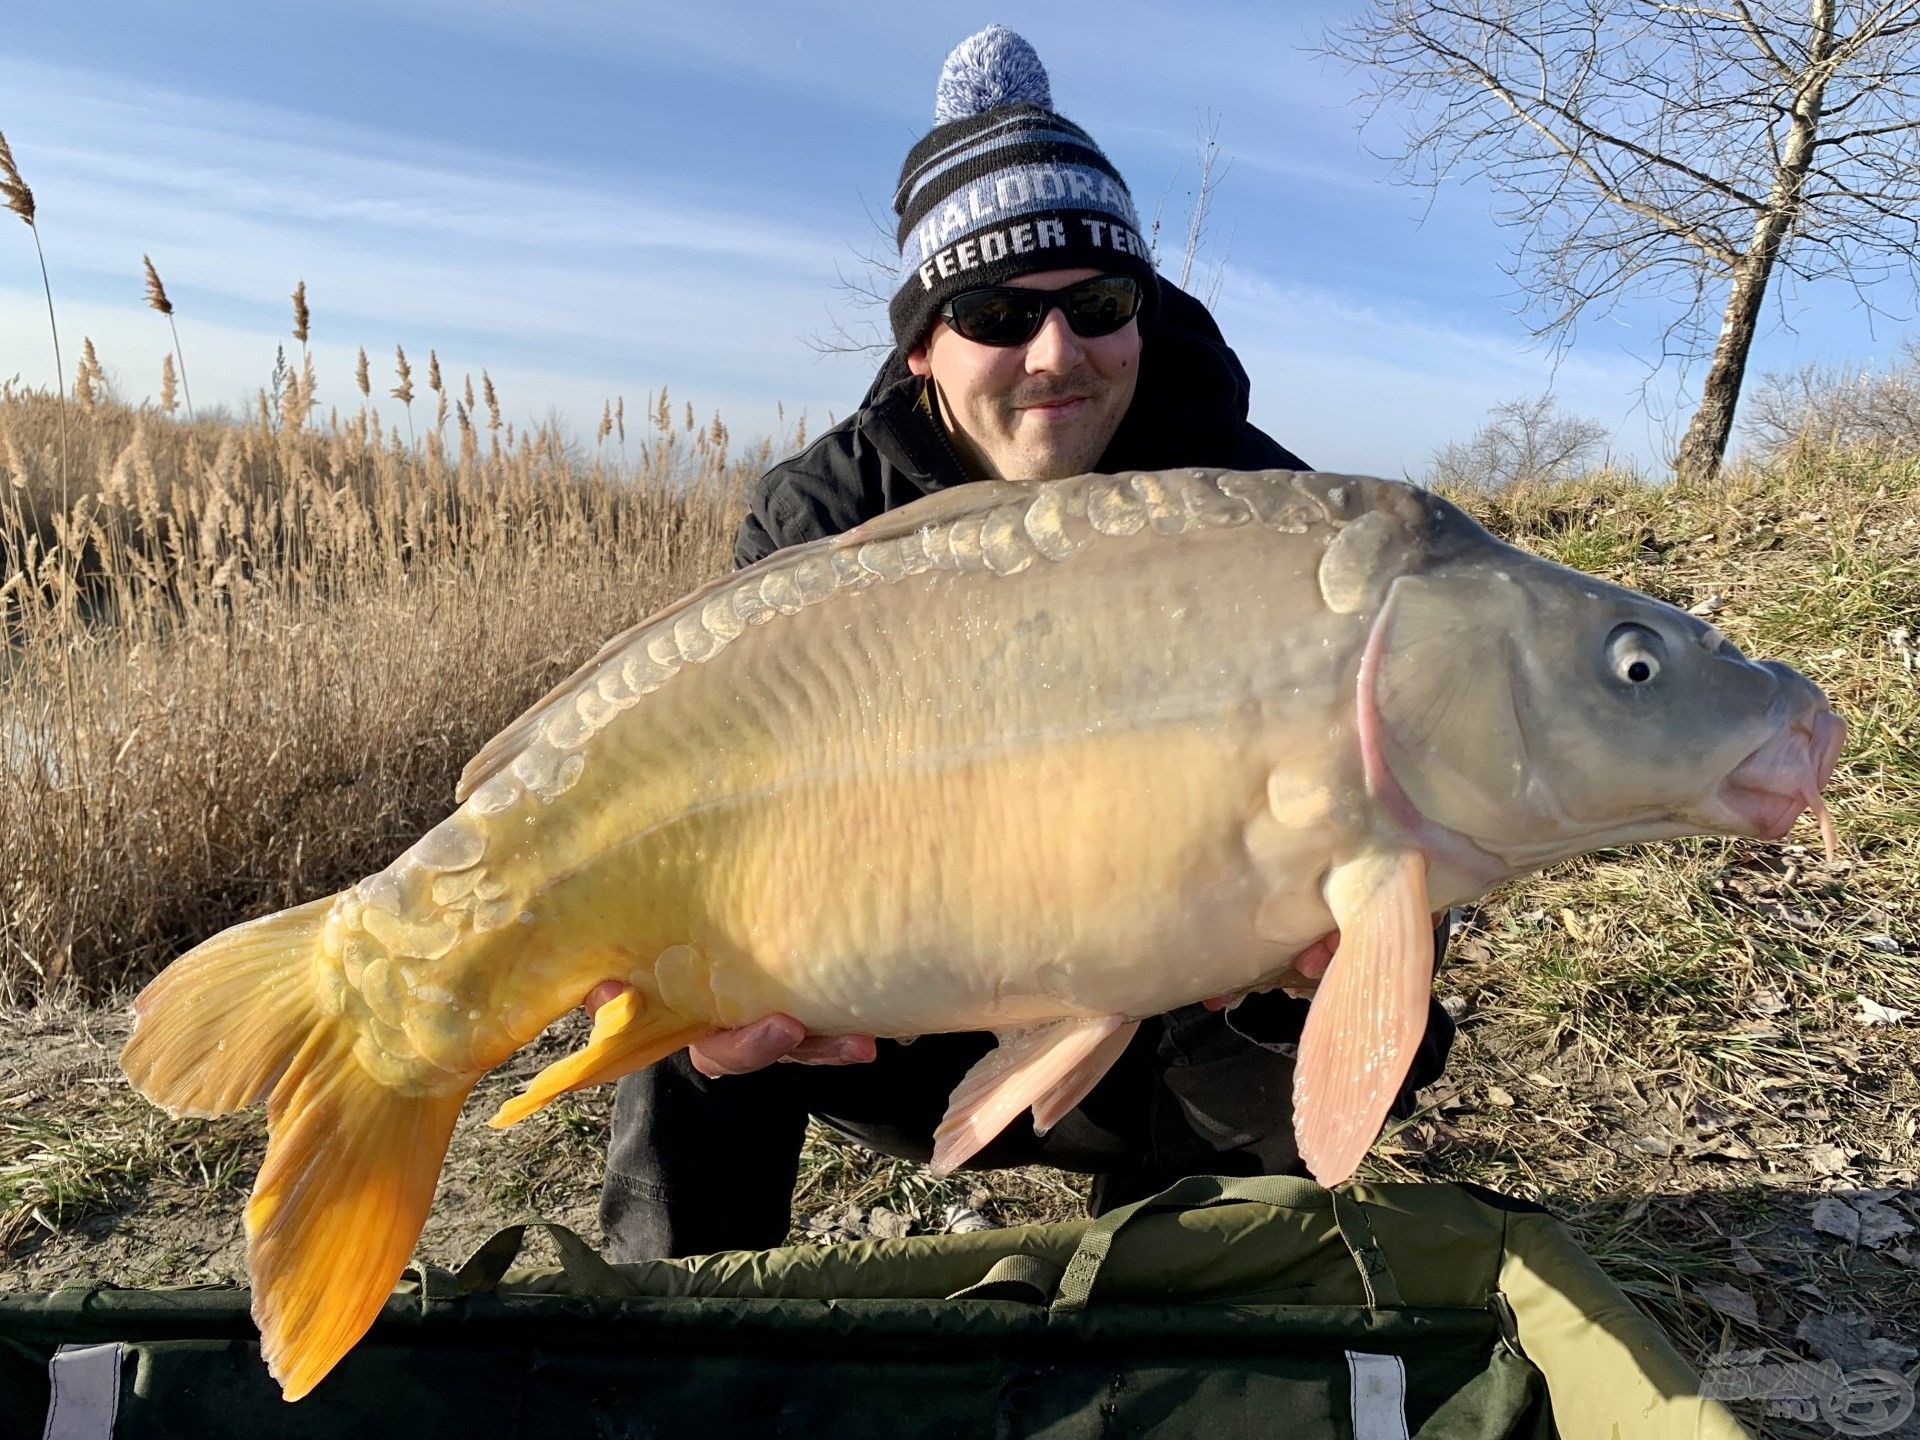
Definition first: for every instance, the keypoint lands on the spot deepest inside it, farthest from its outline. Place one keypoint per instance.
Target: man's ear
(917, 360)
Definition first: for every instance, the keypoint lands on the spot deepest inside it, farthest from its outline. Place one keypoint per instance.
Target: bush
(1526, 441)
(1822, 409)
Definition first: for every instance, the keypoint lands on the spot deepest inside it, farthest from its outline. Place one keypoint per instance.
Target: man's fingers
(602, 993)
(756, 1046)
(1313, 961)
(1310, 964)
(833, 1050)
(751, 1047)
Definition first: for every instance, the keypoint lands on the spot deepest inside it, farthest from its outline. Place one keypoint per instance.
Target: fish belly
(1098, 876)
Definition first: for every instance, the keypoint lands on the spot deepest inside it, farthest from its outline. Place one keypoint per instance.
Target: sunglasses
(1006, 315)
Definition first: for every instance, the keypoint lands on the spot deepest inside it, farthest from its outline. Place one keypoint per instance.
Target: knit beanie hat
(1003, 186)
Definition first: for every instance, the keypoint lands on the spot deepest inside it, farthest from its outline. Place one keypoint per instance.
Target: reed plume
(157, 298)
(403, 392)
(606, 423)
(16, 462)
(300, 400)
(156, 292)
(167, 382)
(19, 197)
(439, 390)
(360, 376)
(300, 315)
(87, 375)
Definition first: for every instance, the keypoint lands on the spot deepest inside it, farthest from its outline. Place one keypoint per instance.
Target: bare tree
(1838, 407)
(1676, 150)
(1212, 170)
(1523, 441)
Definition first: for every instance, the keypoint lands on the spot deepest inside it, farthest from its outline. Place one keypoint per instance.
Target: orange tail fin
(351, 1162)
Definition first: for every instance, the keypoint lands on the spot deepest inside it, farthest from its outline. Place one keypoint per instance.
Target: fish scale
(1037, 759)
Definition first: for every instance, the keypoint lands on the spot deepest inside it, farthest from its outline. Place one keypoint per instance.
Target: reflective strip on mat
(86, 1392)
(1377, 1388)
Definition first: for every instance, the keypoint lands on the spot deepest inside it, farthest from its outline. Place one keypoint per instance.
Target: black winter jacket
(1189, 408)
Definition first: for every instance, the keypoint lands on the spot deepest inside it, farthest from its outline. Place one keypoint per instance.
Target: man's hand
(1309, 965)
(756, 1046)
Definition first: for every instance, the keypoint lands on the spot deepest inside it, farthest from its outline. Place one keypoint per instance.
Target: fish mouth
(1770, 789)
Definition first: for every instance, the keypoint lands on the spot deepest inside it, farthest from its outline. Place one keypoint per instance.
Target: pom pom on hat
(989, 69)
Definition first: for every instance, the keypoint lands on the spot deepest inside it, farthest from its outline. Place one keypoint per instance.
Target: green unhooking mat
(1263, 1307)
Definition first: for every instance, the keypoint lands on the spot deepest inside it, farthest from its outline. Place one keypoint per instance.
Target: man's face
(1039, 411)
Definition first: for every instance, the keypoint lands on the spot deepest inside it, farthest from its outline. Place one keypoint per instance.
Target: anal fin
(1043, 1066)
(629, 1034)
(1053, 1107)
(1368, 1013)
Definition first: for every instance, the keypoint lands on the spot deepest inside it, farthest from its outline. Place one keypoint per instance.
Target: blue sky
(596, 200)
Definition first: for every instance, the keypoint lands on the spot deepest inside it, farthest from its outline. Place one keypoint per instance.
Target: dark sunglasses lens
(997, 317)
(1101, 306)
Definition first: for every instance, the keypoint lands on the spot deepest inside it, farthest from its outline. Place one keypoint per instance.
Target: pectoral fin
(1369, 1012)
(1044, 1067)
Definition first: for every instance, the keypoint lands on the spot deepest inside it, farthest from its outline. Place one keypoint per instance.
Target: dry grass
(246, 664)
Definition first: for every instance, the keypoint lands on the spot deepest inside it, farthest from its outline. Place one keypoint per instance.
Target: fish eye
(1633, 654)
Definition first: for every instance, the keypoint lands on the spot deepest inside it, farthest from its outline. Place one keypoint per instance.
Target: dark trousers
(698, 1165)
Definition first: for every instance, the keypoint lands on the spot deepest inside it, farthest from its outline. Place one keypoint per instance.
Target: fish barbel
(1040, 759)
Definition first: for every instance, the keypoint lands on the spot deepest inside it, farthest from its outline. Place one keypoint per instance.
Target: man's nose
(1056, 347)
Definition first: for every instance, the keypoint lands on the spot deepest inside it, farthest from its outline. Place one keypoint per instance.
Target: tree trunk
(1707, 434)
(1712, 424)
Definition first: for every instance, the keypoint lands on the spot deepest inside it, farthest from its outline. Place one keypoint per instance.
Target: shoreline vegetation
(245, 663)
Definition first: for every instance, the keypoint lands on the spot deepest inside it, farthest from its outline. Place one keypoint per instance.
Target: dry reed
(19, 198)
(157, 299)
(245, 665)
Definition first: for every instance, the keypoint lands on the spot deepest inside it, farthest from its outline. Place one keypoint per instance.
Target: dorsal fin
(940, 508)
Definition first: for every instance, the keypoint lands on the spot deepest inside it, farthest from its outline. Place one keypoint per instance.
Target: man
(1033, 341)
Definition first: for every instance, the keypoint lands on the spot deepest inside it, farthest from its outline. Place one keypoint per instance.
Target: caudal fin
(351, 1162)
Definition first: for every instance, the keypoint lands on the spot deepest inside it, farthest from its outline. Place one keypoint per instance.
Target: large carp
(1039, 759)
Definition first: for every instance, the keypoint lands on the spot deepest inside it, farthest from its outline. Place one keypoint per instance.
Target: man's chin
(1051, 461)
